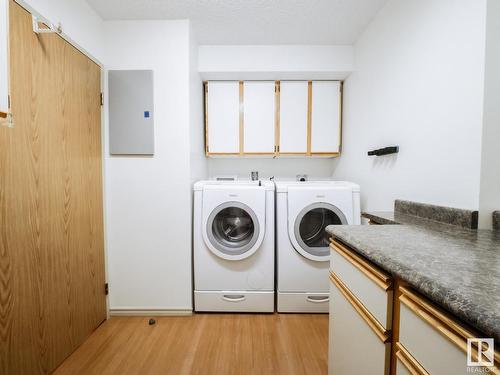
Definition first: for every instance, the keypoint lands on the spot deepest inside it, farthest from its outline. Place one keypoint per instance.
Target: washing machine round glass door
(233, 229)
(310, 231)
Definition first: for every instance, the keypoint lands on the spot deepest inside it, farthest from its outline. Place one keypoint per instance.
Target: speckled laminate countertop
(459, 269)
(496, 220)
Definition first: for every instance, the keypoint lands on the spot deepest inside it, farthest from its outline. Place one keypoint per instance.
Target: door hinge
(102, 99)
(106, 288)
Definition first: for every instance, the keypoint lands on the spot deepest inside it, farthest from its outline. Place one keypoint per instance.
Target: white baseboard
(150, 312)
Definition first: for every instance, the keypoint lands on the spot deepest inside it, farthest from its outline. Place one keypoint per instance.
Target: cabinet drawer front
(234, 301)
(383, 334)
(372, 290)
(433, 338)
(354, 348)
(303, 302)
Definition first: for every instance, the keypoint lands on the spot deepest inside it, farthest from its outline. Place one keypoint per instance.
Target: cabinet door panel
(293, 117)
(437, 354)
(353, 347)
(325, 117)
(375, 298)
(223, 115)
(259, 117)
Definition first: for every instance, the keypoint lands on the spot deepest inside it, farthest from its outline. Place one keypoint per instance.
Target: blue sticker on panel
(146, 114)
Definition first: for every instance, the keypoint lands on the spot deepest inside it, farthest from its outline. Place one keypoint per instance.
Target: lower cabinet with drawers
(380, 325)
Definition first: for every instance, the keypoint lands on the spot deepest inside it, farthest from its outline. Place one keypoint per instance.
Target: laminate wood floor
(205, 344)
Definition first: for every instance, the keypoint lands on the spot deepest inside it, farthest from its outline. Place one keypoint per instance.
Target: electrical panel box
(131, 112)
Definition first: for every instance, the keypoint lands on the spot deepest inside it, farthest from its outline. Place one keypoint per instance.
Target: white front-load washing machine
(233, 246)
(303, 211)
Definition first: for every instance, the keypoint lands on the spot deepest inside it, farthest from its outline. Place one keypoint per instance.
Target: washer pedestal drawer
(303, 302)
(234, 301)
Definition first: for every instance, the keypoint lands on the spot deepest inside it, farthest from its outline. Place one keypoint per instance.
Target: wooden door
(223, 117)
(51, 211)
(259, 117)
(293, 117)
(325, 117)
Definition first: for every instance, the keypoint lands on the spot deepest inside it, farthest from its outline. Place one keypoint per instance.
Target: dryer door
(309, 230)
(233, 230)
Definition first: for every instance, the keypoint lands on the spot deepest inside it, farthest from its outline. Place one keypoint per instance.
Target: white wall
(489, 199)
(418, 83)
(148, 198)
(268, 167)
(79, 22)
(198, 161)
(275, 62)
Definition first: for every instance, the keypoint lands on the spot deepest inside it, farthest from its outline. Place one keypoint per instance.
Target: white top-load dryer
(234, 246)
(303, 211)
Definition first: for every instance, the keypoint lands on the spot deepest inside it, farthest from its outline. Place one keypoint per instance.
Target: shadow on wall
(386, 161)
(268, 167)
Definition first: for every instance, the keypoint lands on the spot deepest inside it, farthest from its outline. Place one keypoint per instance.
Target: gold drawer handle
(373, 273)
(441, 322)
(408, 361)
(383, 334)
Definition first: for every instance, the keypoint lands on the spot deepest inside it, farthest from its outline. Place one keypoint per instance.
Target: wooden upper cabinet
(287, 118)
(325, 117)
(223, 117)
(259, 117)
(293, 117)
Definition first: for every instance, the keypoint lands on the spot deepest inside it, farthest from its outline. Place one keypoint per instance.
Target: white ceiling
(254, 21)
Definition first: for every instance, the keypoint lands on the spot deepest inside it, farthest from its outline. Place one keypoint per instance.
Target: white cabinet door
(293, 117)
(259, 117)
(223, 117)
(353, 347)
(325, 117)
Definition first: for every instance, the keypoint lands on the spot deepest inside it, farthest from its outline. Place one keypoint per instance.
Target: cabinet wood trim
(408, 361)
(383, 334)
(277, 118)
(309, 116)
(379, 277)
(205, 90)
(447, 326)
(395, 321)
(242, 117)
(341, 105)
(325, 153)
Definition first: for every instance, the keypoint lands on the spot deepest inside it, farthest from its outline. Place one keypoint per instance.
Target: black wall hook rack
(384, 151)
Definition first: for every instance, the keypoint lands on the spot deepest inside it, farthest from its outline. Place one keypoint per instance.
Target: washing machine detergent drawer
(234, 301)
(303, 302)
